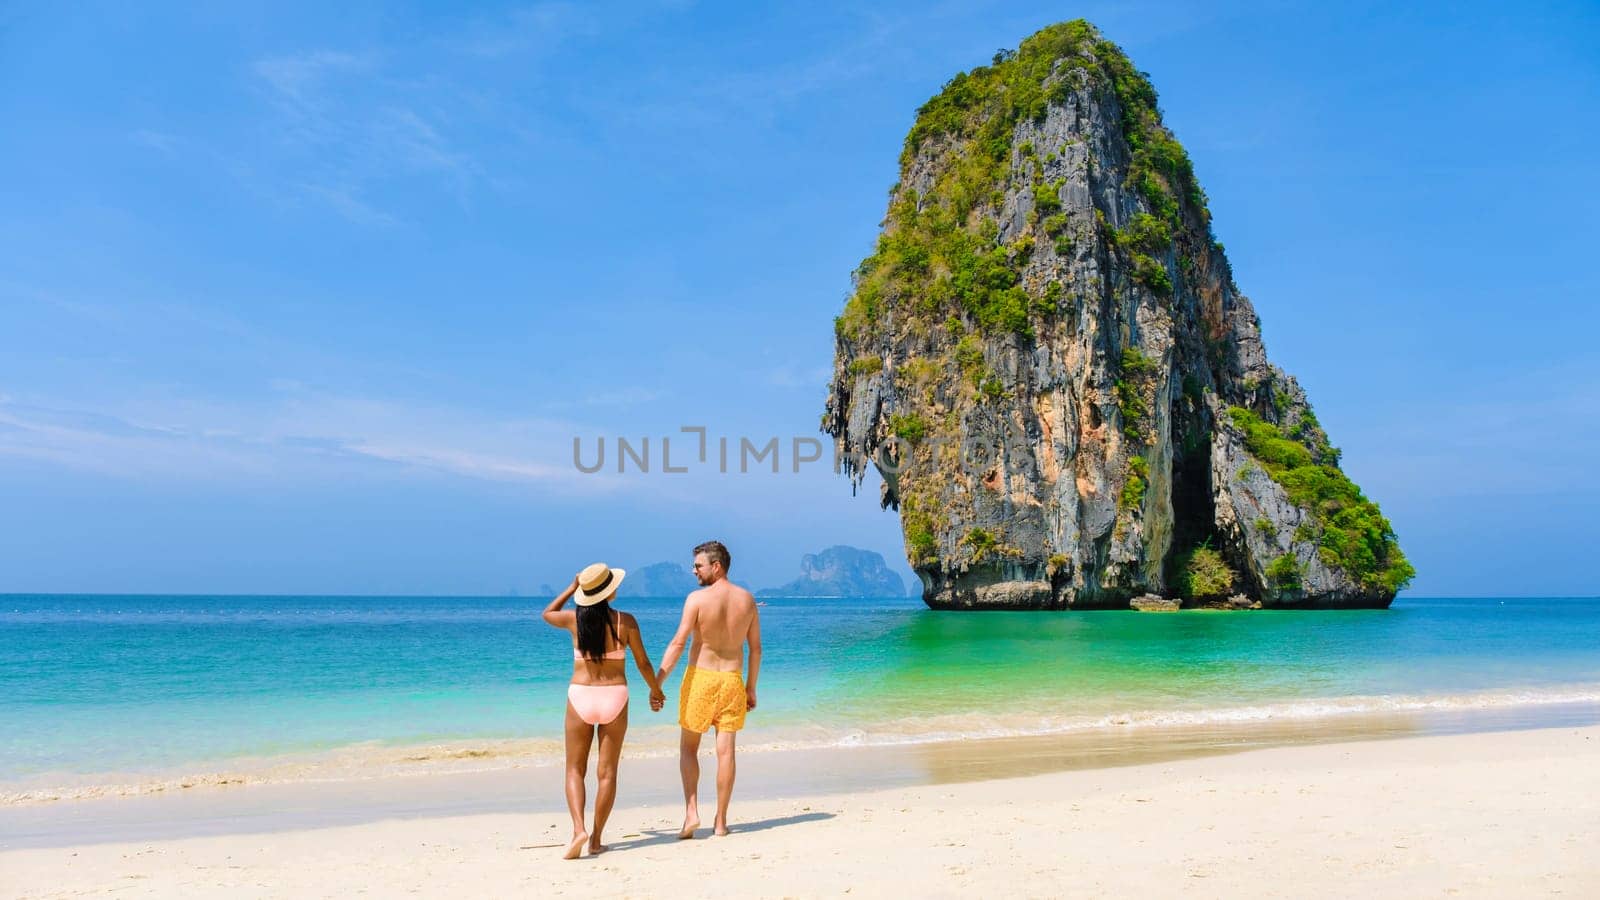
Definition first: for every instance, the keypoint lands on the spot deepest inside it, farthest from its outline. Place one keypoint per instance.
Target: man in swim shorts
(722, 618)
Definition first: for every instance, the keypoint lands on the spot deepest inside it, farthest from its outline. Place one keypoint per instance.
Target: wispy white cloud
(156, 140)
(301, 433)
(350, 131)
(302, 79)
(756, 93)
(620, 397)
(463, 462)
(98, 313)
(346, 129)
(871, 44)
(415, 143)
(110, 446)
(536, 28)
(345, 200)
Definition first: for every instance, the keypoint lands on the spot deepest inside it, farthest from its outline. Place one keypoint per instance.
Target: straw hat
(596, 583)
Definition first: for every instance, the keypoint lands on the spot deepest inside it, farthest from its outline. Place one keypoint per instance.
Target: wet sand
(1508, 813)
(257, 808)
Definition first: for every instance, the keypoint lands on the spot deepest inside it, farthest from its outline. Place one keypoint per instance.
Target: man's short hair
(716, 553)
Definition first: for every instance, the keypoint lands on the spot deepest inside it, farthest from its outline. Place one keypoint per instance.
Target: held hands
(658, 698)
(749, 698)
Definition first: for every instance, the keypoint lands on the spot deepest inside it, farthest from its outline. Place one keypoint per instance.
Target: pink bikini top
(619, 653)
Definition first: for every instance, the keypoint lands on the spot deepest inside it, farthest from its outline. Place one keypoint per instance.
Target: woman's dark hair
(593, 623)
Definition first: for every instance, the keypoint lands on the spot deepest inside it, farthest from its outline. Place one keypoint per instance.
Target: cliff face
(1049, 362)
(841, 571)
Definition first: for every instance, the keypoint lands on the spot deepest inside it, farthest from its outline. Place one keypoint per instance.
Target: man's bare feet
(720, 829)
(575, 849)
(690, 823)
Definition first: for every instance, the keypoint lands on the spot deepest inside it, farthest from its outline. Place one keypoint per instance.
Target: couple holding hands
(721, 618)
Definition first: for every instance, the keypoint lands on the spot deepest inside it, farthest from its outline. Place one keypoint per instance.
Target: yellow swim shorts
(710, 698)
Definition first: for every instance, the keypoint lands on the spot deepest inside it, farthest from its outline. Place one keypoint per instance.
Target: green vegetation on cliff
(1138, 375)
(936, 256)
(910, 428)
(985, 543)
(1284, 572)
(1350, 531)
(1203, 575)
(921, 542)
(1138, 479)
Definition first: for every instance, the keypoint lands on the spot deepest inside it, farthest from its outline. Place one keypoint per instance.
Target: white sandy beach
(1491, 815)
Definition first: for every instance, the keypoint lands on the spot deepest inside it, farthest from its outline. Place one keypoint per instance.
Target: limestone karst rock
(1047, 358)
(841, 571)
(662, 579)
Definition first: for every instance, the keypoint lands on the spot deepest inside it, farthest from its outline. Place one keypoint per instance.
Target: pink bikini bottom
(598, 704)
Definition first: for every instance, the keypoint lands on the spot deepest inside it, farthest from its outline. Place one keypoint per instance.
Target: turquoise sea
(122, 693)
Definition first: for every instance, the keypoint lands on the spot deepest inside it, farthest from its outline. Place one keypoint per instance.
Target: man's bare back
(723, 613)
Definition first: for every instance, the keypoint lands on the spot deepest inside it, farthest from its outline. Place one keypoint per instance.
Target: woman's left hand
(658, 699)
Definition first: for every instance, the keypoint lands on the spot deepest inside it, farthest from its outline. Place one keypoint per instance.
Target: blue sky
(302, 301)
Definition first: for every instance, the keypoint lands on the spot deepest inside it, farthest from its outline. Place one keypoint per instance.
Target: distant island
(841, 571)
(662, 579)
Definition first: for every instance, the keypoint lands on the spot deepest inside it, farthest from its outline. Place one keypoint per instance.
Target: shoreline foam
(372, 761)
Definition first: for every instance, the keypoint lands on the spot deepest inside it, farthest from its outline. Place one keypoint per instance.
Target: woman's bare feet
(690, 823)
(720, 829)
(575, 849)
(596, 848)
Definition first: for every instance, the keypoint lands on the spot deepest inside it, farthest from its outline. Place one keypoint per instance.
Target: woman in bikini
(597, 699)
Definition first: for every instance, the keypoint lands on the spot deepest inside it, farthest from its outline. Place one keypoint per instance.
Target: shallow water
(100, 689)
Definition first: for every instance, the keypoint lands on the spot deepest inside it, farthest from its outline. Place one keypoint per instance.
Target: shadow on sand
(652, 838)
